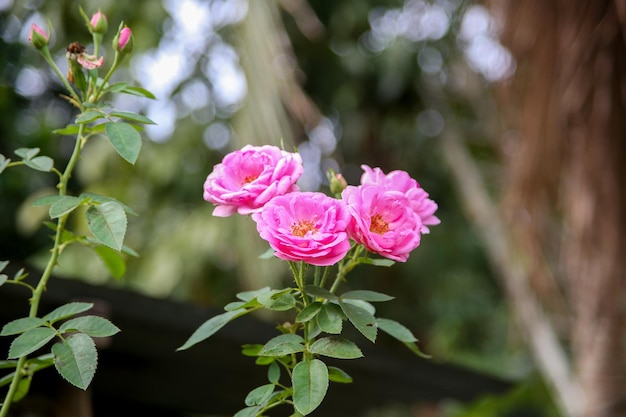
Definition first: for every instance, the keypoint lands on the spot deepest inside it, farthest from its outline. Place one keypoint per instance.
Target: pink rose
(383, 220)
(248, 178)
(99, 23)
(38, 37)
(401, 181)
(305, 226)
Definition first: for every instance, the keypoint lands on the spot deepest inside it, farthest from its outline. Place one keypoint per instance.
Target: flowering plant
(385, 215)
(69, 330)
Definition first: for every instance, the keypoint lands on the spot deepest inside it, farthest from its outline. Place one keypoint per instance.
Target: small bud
(38, 37)
(123, 42)
(99, 23)
(336, 182)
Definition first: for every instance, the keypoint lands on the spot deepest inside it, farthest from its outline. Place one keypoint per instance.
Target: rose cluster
(387, 213)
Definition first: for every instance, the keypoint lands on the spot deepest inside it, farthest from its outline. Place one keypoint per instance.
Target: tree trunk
(567, 193)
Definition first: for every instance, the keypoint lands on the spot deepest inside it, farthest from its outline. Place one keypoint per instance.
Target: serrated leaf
(40, 163)
(330, 319)
(209, 327)
(249, 295)
(361, 319)
(47, 200)
(67, 310)
(93, 326)
(21, 325)
(401, 333)
(310, 382)
(365, 295)
(309, 312)
(134, 117)
(320, 292)
(30, 341)
(112, 260)
(63, 205)
(107, 222)
(281, 345)
(26, 153)
(70, 130)
(338, 375)
(273, 373)
(138, 91)
(97, 198)
(259, 395)
(125, 140)
(4, 163)
(248, 411)
(89, 116)
(76, 359)
(336, 347)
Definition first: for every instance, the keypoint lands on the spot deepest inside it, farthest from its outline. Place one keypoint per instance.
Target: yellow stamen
(302, 227)
(379, 225)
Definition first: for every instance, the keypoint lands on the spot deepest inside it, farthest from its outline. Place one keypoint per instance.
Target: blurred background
(509, 114)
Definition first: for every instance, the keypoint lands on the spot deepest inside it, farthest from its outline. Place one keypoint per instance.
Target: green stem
(116, 61)
(347, 267)
(46, 55)
(47, 273)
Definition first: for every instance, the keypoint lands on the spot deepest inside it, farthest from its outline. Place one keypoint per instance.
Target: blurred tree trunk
(566, 199)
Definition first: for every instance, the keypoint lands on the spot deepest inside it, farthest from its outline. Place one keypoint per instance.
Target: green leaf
(63, 205)
(76, 359)
(320, 292)
(67, 310)
(30, 341)
(97, 198)
(277, 300)
(330, 319)
(248, 412)
(377, 262)
(401, 333)
(250, 295)
(365, 295)
(89, 116)
(4, 162)
(251, 350)
(338, 375)
(209, 327)
(336, 347)
(116, 87)
(107, 222)
(23, 387)
(259, 395)
(40, 163)
(21, 325)
(112, 260)
(7, 379)
(93, 326)
(138, 91)
(360, 318)
(310, 383)
(284, 344)
(70, 130)
(26, 153)
(3, 264)
(125, 139)
(47, 200)
(3, 279)
(134, 117)
(309, 312)
(273, 373)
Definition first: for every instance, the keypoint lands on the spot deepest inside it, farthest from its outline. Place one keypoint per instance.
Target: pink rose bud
(123, 42)
(99, 23)
(38, 37)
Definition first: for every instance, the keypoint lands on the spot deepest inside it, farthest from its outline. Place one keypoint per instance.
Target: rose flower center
(249, 178)
(379, 225)
(302, 227)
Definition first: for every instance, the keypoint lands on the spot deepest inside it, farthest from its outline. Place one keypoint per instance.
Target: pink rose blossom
(401, 181)
(247, 179)
(305, 226)
(90, 62)
(383, 220)
(99, 23)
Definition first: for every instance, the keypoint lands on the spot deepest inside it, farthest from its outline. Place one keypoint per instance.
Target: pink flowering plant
(69, 330)
(322, 237)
